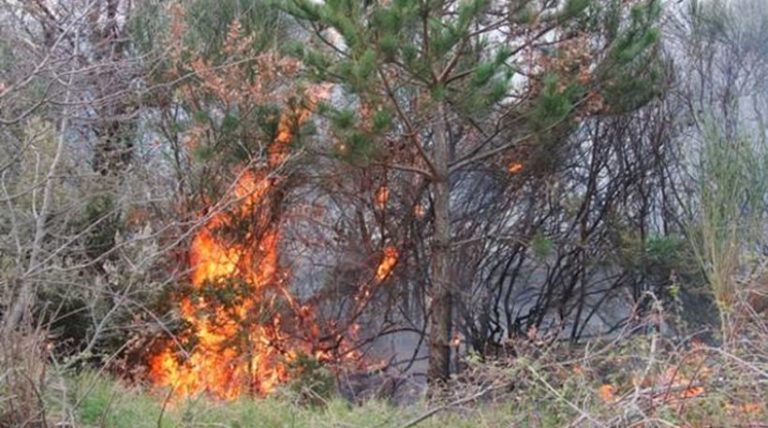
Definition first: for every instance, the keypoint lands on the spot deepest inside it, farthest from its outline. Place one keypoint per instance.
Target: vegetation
(643, 381)
(383, 213)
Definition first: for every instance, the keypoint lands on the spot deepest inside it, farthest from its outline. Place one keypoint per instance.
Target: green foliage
(483, 74)
(314, 384)
(230, 123)
(364, 67)
(382, 120)
(656, 254)
(392, 36)
(665, 250)
(203, 153)
(631, 74)
(344, 119)
(100, 209)
(541, 246)
(148, 25)
(631, 94)
(207, 23)
(268, 118)
(439, 92)
(66, 314)
(553, 105)
(572, 9)
(107, 403)
(613, 19)
(443, 37)
(469, 12)
(359, 148)
(522, 15)
(201, 117)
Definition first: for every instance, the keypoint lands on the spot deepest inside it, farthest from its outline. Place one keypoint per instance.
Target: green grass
(104, 402)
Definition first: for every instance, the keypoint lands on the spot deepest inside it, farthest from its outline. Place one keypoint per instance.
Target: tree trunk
(440, 308)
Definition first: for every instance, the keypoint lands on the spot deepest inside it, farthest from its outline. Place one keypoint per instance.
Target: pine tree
(463, 83)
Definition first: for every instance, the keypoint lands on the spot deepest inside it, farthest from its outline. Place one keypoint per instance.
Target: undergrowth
(634, 381)
(637, 378)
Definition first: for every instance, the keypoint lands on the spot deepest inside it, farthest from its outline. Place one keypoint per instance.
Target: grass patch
(106, 402)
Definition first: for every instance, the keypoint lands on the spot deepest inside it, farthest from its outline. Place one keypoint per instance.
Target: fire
(419, 211)
(387, 264)
(382, 197)
(515, 167)
(238, 307)
(607, 392)
(239, 343)
(456, 341)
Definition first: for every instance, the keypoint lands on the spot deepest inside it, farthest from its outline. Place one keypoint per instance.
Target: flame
(234, 286)
(387, 264)
(515, 167)
(237, 303)
(456, 341)
(607, 392)
(382, 197)
(419, 211)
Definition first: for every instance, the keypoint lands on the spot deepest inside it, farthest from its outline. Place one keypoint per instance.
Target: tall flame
(233, 309)
(235, 350)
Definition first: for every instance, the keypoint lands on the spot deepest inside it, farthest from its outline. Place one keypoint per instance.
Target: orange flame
(607, 392)
(236, 328)
(382, 197)
(387, 264)
(419, 211)
(515, 167)
(236, 350)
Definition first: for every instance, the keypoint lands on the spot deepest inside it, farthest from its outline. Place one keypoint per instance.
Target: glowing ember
(382, 196)
(456, 341)
(607, 393)
(419, 211)
(387, 264)
(515, 167)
